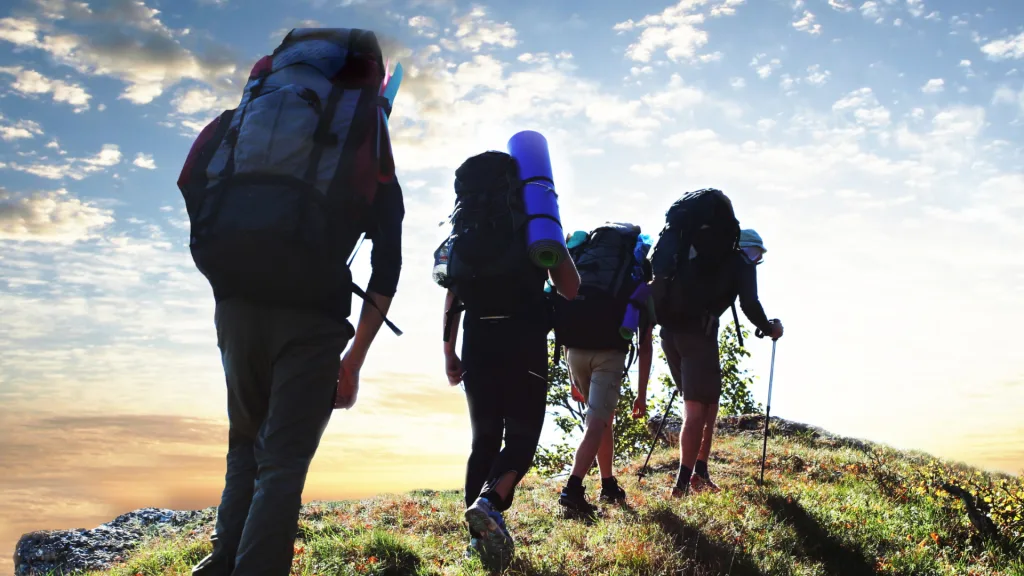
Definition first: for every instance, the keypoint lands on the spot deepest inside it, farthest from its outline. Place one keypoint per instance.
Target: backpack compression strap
(359, 292)
(736, 319)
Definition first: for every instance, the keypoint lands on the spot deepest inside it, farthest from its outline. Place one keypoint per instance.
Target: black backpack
(606, 263)
(484, 261)
(689, 261)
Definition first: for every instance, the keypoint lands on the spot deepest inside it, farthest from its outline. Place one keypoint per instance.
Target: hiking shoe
(495, 543)
(678, 492)
(473, 549)
(575, 500)
(700, 484)
(611, 492)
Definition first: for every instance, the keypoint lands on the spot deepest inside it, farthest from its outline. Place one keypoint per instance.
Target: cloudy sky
(877, 146)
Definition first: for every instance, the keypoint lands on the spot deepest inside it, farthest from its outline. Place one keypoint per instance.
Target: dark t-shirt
(738, 280)
(512, 337)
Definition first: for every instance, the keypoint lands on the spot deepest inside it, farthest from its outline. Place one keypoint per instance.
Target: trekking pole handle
(761, 334)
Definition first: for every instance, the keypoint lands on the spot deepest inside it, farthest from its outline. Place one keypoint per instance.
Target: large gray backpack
(278, 189)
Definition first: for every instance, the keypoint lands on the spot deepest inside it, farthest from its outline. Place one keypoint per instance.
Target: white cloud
(651, 170)
(806, 24)
(1009, 47)
(676, 97)
(965, 64)
(915, 7)
(73, 168)
(712, 57)
(1007, 95)
(871, 9)
(737, 82)
(726, 8)
(19, 130)
(49, 217)
(422, 22)
(867, 111)
(840, 5)
(786, 82)
(32, 83)
(765, 68)
(876, 117)
(109, 155)
(816, 76)
(765, 124)
(674, 30)
(474, 31)
(196, 100)
(278, 35)
(145, 161)
(933, 86)
(124, 40)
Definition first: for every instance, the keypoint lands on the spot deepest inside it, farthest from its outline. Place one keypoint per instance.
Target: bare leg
(606, 453)
(692, 434)
(709, 431)
(506, 484)
(593, 437)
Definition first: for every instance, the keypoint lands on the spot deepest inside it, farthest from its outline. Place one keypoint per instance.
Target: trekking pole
(357, 246)
(657, 435)
(767, 414)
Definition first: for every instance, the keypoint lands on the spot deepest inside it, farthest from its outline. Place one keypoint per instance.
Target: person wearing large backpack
(598, 339)
(278, 192)
(484, 266)
(702, 263)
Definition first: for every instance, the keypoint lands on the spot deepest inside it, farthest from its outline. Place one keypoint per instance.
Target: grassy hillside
(826, 508)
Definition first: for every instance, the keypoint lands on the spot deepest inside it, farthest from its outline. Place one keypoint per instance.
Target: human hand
(577, 395)
(639, 408)
(776, 329)
(453, 368)
(348, 383)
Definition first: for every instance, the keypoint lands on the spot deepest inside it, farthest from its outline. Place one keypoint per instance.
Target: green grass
(822, 511)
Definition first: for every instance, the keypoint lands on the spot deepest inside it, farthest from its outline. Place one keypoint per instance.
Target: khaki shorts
(598, 375)
(692, 357)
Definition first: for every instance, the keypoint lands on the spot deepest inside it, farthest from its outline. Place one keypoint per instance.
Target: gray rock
(61, 552)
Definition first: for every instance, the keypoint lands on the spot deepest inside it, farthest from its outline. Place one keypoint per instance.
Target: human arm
(385, 231)
(646, 359)
(749, 302)
(450, 322)
(566, 279)
(646, 354)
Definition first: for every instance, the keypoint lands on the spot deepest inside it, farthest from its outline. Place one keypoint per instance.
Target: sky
(876, 146)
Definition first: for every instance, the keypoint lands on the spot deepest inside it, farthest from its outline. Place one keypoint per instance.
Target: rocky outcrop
(68, 551)
(754, 424)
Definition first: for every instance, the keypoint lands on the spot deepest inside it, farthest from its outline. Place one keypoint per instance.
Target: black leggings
(506, 389)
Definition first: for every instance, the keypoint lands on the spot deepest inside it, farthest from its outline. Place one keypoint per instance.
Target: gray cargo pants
(281, 368)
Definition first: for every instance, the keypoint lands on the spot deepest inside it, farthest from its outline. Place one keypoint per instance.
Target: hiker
(691, 294)
(614, 272)
(278, 192)
(504, 361)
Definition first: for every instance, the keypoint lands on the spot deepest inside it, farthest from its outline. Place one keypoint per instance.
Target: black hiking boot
(574, 500)
(611, 492)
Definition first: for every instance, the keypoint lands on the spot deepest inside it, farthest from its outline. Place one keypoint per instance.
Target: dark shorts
(692, 357)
